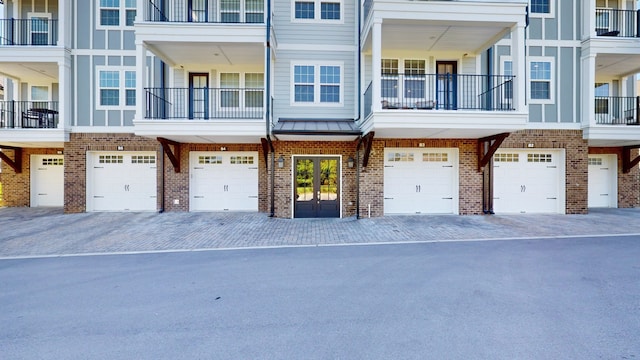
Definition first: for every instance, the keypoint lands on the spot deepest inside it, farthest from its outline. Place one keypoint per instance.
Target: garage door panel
(122, 181)
(528, 181)
(420, 181)
(47, 180)
(222, 181)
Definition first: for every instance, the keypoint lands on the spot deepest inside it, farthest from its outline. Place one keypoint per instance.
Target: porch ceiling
(183, 53)
(437, 36)
(615, 65)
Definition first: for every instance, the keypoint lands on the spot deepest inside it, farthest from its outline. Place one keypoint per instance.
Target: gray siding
(535, 113)
(83, 91)
(114, 39)
(318, 32)
(566, 97)
(84, 24)
(535, 28)
(98, 118)
(567, 29)
(551, 29)
(129, 40)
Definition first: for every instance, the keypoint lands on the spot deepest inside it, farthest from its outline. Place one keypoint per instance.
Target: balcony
(28, 114)
(446, 92)
(617, 23)
(203, 114)
(616, 121)
(204, 103)
(226, 12)
(28, 32)
(442, 105)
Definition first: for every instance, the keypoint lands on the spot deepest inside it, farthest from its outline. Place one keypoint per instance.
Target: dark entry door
(198, 96)
(317, 187)
(197, 11)
(447, 84)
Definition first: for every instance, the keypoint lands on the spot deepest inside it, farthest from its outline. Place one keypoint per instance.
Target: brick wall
(75, 161)
(576, 157)
(283, 205)
(628, 184)
(17, 187)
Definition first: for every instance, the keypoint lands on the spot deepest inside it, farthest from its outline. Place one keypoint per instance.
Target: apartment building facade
(320, 108)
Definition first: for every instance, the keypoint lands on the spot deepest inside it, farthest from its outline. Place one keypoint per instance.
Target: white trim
(316, 85)
(293, 178)
(317, 13)
(313, 47)
(552, 81)
(550, 14)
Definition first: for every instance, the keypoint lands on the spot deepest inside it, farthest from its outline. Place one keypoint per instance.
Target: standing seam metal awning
(316, 127)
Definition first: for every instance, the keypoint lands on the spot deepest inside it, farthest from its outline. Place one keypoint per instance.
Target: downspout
(161, 179)
(268, 108)
(359, 31)
(162, 174)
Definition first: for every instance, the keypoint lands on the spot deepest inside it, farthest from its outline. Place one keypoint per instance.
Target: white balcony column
(140, 8)
(64, 23)
(589, 14)
(588, 90)
(376, 64)
(141, 80)
(519, 66)
(65, 112)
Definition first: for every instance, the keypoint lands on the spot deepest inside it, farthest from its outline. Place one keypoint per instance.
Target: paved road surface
(523, 299)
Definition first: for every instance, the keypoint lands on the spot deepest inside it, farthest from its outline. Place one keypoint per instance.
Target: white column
(589, 16)
(518, 61)
(376, 64)
(588, 90)
(65, 111)
(140, 10)
(141, 80)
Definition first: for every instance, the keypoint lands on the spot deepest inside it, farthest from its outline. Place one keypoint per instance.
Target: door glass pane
(199, 94)
(329, 179)
(230, 11)
(304, 179)
(198, 11)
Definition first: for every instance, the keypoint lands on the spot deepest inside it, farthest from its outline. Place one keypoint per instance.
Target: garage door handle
(98, 167)
(388, 198)
(551, 167)
(199, 197)
(253, 168)
(253, 197)
(604, 168)
(448, 198)
(198, 168)
(388, 166)
(98, 197)
(447, 166)
(42, 194)
(604, 194)
(42, 168)
(552, 198)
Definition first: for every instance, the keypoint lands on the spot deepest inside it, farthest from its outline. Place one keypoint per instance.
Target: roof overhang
(316, 129)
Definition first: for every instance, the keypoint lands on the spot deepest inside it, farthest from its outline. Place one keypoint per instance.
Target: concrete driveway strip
(26, 232)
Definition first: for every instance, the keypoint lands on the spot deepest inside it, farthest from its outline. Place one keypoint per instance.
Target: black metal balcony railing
(204, 103)
(228, 11)
(618, 23)
(28, 114)
(617, 110)
(34, 31)
(446, 92)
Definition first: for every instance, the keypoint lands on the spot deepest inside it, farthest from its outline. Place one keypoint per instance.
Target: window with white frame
(540, 6)
(233, 96)
(602, 98)
(39, 28)
(541, 75)
(324, 10)
(254, 11)
(116, 12)
(414, 79)
(117, 88)
(317, 84)
(389, 88)
(507, 71)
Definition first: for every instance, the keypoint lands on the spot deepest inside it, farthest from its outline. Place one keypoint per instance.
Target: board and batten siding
(317, 32)
(283, 83)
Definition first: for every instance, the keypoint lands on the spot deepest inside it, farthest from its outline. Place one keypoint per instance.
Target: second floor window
(317, 10)
(317, 84)
(110, 93)
(112, 13)
(540, 6)
(540, 88)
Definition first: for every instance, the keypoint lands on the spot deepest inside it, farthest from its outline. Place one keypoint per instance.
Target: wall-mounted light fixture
(281, 161)
(350, 162)
(223, 148)
(120, 147)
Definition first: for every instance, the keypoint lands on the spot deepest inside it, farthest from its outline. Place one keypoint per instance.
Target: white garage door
(421, 181)
(47, 180)
(527, 181)
(121, 181)
(603, 171)
(223, 181)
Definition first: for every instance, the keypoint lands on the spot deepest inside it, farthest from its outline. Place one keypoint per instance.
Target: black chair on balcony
(38, 118)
